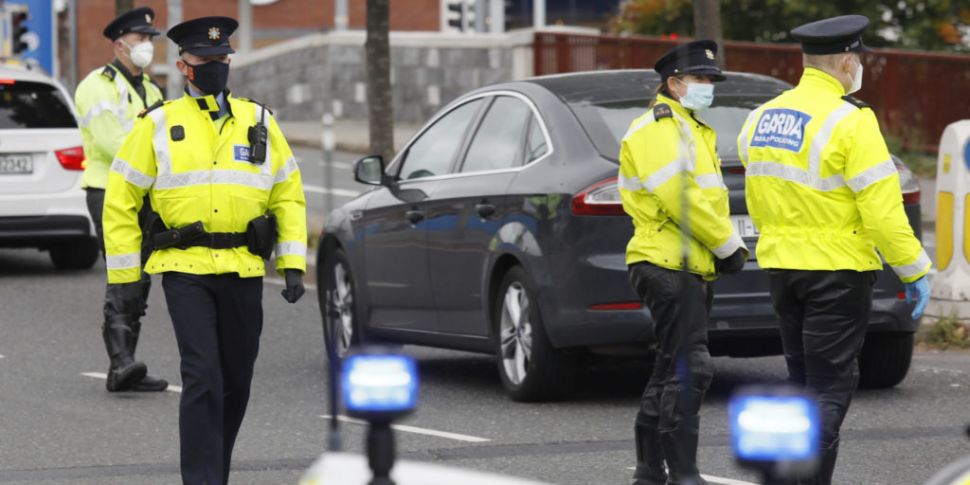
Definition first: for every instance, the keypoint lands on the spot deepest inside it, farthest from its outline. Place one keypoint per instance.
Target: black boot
(826, 464)
(680, 451)
(650, 459)
(147, 383)
(124, 370)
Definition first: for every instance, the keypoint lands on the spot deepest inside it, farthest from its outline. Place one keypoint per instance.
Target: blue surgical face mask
(699, 96)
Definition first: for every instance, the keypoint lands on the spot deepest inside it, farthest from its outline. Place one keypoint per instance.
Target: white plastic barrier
(951, 286)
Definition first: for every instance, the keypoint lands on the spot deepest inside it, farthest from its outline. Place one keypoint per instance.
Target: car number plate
(745, 226)
(16, 164)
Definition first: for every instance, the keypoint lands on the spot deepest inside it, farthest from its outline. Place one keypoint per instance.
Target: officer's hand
(294, 285)
(921, 290)
(732, 264)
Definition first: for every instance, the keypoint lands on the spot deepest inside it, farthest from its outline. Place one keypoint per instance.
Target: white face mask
(141, 54)
(699, 96)
(856, 80)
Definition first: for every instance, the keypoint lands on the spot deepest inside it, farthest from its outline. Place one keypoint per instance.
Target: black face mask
(210, 77)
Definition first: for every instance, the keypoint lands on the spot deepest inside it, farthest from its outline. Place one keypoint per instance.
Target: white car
(42, 204)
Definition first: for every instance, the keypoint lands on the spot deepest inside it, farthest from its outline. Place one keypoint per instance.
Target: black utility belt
(259, 238)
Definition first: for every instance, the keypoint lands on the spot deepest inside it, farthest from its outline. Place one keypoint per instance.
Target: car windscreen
(607, 122)
(26, 104)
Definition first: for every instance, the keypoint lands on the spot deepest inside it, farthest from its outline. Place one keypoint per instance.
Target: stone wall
(304, 78)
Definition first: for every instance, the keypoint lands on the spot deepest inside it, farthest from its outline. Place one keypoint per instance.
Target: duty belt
(195, 235)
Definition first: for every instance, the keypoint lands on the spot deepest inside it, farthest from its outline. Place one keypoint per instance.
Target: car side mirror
(370, 170)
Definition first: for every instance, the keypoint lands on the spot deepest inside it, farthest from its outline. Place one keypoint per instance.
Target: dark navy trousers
(218, 320)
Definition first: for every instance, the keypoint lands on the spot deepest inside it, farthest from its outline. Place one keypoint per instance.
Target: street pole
(173, 81)
(707, 25)
(328, 142)
(340, 18)
(497, 24)
(72, 35)
(480, 16)
(245, 26)
(538, 14)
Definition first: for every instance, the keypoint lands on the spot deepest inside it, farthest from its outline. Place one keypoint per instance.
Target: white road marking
(103, 376)
(340, 165)
(1, 356)
(714, 479)
(316, 189)
(417, 430)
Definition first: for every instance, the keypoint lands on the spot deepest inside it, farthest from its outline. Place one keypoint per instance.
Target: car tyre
(885, 359)
(531, 369)
(77, 254)
(338, 303)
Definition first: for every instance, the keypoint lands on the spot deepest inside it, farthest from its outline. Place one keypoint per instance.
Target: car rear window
(26, 104)
(607, 122)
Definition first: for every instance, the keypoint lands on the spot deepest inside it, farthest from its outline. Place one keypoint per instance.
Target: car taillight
(623, 305)
(907, 182)
(71, 158)
(599, 199)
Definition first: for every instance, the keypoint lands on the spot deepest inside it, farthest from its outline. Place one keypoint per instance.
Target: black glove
(126, 299)
(294, 285)
(732, 264)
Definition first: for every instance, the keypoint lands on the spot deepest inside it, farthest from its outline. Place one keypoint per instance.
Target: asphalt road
(59, 426)
(321, 195)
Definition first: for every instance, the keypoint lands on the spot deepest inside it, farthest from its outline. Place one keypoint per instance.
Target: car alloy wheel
(341, 298)
(516, 333)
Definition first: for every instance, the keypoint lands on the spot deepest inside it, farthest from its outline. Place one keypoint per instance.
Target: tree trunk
(122, 6)
(379, 105)
(707, 25)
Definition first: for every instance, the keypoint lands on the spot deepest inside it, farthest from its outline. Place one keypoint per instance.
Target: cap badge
(148, 18)
(710, 55)
(214, 33)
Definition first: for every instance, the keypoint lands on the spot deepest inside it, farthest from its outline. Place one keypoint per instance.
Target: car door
(397, 276)
(467, 209)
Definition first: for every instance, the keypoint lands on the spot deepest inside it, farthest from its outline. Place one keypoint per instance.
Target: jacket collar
(216, 105)
(132, 79)
(678, 108)
(820, 79)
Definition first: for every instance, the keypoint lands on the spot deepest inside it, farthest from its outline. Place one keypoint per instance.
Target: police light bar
(379, 386)
(775, 430)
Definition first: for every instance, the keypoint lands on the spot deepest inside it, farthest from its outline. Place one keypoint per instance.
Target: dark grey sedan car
(499, 229)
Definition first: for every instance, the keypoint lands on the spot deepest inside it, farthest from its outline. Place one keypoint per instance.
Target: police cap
(832, 36)
(696, 58)
(205, 36)
(138, 20)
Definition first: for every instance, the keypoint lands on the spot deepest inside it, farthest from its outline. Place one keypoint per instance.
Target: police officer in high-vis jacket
(229, 193)
(108, 101)
(671, 185)
(825, 195)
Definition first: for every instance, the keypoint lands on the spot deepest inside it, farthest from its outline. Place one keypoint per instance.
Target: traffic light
(460, 15)
(19, 32)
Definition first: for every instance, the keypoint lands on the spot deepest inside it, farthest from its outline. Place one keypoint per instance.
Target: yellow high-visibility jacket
(821, 187)
(107, 105)
(195, 170)
(659, 147)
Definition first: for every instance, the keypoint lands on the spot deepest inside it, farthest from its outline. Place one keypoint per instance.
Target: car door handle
(414, 217)
(485, 210)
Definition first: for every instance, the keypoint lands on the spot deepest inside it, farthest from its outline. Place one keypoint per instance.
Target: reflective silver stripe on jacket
(288, 168)
(730, 246)
(824, 136)
(872, 175)
(207, 177)
(96, 111)
(794, 174)
(637, 127)
(122, 108)
(911, 270)
(655, 180)
(123, 261)
(160, 141)
(291, 248)
(132, 174)
(710, 181)
(752, 120)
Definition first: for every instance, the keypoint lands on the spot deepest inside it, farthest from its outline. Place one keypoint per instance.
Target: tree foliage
(912, 24)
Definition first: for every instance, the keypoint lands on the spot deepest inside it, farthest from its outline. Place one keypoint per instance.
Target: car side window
(498, 143)
(432, 153)
(536, 145)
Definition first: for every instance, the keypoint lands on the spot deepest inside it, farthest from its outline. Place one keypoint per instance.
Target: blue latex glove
(921, 290)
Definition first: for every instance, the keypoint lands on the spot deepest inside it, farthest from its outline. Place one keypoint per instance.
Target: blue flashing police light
(379, 386)
(774, 428)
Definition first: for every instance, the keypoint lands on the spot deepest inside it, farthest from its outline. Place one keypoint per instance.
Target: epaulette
(858, 103)
(151, 108)
(267, 108)
(109, 73)
(662, 111)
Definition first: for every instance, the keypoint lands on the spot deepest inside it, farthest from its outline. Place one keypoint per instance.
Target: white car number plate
(16, 164)
(745, 226)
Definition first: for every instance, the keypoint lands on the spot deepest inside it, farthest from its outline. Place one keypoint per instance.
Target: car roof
(627, 84)
(24, 73)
